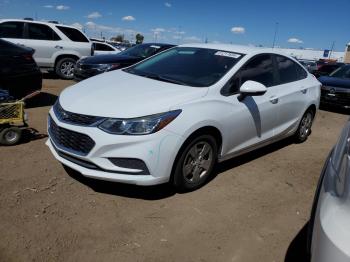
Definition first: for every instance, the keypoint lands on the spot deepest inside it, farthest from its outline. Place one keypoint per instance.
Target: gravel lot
(255, 209)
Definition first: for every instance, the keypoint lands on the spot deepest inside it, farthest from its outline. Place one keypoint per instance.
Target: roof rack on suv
(54, 22)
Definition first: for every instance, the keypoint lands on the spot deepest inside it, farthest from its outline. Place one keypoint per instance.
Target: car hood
(334, 81)
(123, 95)
(110, 59)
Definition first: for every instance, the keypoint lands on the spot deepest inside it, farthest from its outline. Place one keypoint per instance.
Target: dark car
(95, 65)
(19, 74)
(335, 90)
(324, 69)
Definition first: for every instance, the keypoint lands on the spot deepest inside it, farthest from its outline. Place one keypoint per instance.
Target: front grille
(68, 140)
(335, 97)
(73, 118)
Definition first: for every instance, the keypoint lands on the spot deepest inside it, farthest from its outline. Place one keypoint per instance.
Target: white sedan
(171, 117)
(102, 48)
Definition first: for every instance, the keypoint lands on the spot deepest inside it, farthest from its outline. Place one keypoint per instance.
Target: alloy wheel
(197, 162)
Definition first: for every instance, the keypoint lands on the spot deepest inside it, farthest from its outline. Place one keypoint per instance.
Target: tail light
(28, 57)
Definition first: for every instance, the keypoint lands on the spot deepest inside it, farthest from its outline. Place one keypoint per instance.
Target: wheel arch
(59, 57)
(204, 130)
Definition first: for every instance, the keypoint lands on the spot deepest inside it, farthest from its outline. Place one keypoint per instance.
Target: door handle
(303, 90)
(58, 47)
(274, 99)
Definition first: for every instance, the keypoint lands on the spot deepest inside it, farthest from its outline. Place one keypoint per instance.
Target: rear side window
(41, 32)
(288, 70)
(11, 30)
(73, 34)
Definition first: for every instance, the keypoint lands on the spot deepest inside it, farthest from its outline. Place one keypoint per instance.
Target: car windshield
(141, 50)
(342, 72)
(191, 66)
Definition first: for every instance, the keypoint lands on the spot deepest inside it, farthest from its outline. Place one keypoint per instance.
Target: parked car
(103, 48)
(57, 47)
(325, 69)
(329, 234)
(310, 65)
(335, 90)
(95, 65)
(172, 116)
(19, 74)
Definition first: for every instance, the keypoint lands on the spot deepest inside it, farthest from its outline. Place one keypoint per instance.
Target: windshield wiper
(164, 79)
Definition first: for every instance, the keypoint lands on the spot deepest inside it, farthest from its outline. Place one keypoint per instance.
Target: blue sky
(301, 23)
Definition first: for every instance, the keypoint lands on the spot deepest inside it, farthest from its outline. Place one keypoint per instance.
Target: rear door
(291, 92)
(45, 42)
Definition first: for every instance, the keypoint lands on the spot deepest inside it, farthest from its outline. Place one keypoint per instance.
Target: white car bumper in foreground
(156, 152)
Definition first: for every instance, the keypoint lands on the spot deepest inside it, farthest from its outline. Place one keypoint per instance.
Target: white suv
(57, 47)
(172, 116)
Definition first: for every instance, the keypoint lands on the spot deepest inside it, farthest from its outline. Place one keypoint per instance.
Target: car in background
(335, 89)
(57, 47)
(310, 65)
(91, 66)
(324, 69)
(19, 74)
(170, 118)
(103, 48)
(329, 226)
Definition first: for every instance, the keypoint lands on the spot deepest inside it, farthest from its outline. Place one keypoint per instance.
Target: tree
(139, 38)
(118, 38)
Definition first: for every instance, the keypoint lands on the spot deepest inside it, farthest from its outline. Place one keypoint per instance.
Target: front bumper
(333, 97)
(82, 74)
(158, 152)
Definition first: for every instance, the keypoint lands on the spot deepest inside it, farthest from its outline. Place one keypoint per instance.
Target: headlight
(107, 67)
(138, 126)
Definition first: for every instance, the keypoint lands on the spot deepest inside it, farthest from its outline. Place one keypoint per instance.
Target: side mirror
(251, 88)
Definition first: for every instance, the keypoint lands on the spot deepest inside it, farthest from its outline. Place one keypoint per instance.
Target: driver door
(252, 120)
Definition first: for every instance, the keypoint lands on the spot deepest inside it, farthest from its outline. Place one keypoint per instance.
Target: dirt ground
(255, 209)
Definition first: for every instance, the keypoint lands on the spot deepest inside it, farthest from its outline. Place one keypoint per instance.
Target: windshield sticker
(227, 54)
(155, 46)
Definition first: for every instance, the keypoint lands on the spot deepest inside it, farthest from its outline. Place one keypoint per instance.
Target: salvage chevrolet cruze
(171, 117)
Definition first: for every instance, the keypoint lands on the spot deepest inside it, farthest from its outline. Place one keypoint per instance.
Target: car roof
(247, 50)
(36, 22)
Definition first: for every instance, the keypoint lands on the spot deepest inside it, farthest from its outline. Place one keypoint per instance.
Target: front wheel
(195, 163)
(65, 68)
(304, 129)
(10, 136)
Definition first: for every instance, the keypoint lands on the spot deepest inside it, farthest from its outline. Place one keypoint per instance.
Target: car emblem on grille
(332, 91)
(64, 115)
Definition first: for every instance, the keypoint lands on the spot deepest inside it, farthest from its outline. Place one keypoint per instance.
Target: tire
(10, 136)
(65, 68)
(194, 166)
(304, 129)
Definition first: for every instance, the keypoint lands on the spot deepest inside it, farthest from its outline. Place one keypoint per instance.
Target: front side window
(73, 34)
(259, 69)
(198, 67)
(102, 47)
(11, 30)
(41, 32)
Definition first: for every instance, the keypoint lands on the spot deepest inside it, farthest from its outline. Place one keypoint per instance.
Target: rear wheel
(65, 67)
(195, 163)
(304, 129)
(10, 136)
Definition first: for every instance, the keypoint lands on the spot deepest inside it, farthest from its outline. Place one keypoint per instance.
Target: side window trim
(224, 90)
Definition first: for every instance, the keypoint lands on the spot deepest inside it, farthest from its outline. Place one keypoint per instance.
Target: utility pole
(275, 35)
(330, 53)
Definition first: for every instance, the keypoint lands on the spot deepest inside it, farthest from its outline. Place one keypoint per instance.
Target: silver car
(330, 216)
